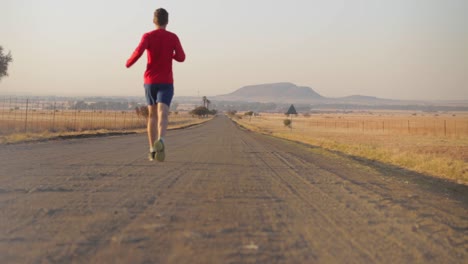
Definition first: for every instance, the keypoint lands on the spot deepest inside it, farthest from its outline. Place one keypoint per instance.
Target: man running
(161, 47)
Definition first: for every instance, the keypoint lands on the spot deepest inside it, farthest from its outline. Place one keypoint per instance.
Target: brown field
(16, 125)
(433, 144)
(16, 121)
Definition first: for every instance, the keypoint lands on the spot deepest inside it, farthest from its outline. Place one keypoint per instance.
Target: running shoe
(151, 155)
(159, 147)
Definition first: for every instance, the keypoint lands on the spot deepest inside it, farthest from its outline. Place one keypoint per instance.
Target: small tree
(249, 114)
(5, 59)
(287, 122)
(200, 111)
(142, 111)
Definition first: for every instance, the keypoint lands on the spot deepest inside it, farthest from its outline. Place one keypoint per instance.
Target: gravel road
(224, 195)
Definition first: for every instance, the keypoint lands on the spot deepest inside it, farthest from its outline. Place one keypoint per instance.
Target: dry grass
(174, 123)
(38, 121)
(421, 150)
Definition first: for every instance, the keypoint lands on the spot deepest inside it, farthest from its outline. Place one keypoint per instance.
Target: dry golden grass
(421, 150)
(18, 121)
(175, 122)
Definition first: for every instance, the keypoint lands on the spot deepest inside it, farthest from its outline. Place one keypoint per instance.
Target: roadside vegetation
(5, 60)
(43, 125)
(23, 119)
(434, 150)
(202, 111)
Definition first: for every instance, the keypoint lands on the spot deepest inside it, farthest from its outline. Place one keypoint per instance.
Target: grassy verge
(47, 135)
(435, 156)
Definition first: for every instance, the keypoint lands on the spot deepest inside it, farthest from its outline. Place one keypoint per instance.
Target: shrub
(142, 111)
(200, 111)
(287, 122)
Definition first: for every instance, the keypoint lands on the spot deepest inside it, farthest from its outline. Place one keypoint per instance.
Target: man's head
(161, 17)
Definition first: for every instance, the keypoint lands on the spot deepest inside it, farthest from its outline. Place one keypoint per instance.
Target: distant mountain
(276, 97)
(288, 93)
(362, 99)
(273, 92)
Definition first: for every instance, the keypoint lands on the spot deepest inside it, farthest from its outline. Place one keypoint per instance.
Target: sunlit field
(433, 144)
(20, 124)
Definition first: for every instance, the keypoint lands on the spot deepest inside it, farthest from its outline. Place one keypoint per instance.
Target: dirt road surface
(224, 195)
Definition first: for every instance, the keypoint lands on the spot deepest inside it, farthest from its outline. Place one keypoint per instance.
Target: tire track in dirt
(459, 232)
(424, 210)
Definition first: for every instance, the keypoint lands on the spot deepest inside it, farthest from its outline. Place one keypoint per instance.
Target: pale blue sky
(402, 49)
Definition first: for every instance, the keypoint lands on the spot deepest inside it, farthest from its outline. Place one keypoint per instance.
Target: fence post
(53, 118)
(383, 126)
(26, 117)
(92, 117)
(290, 127)
(125, 114)
(9, 112)
(115, 120)
(74, 118)
(14, 116)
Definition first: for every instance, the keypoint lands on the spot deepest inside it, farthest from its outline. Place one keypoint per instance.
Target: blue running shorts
(159, 93)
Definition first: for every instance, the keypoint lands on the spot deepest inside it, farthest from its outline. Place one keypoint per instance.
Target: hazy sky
(402, 49)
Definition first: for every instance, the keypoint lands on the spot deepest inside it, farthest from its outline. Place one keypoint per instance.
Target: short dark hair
(161, 16)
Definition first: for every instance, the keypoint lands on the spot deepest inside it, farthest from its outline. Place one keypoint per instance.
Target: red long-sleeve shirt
(161, 47)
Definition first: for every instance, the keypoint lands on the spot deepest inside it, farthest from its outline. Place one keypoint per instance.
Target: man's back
(162, 47)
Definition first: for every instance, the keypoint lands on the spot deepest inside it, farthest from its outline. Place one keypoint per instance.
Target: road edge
(97, 134)
(362, 160)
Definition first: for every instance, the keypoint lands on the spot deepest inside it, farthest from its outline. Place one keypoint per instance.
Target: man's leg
(152, 124)
(163, 113)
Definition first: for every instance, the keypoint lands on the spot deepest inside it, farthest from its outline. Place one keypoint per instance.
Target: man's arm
(138, 52)
(179, 54)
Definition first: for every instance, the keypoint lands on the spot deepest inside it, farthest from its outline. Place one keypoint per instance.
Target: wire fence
(422, 127)
(416, 125)
(25, 115)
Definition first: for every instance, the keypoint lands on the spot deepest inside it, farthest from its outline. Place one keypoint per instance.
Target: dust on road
(224, 195)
